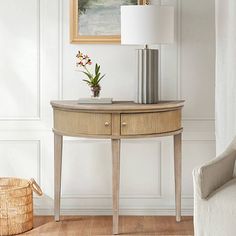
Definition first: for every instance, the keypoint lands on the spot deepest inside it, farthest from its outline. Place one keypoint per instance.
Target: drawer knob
(124, 123)
(107, 123)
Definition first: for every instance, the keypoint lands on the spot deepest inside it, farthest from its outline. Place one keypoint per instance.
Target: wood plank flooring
(102, 226)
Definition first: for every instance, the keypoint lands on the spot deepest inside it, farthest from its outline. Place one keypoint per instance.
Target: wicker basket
(16, 205)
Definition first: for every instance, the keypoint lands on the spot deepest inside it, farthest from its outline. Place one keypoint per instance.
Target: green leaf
(97, 77)
(89, 75)
(87, 81)
(100, 79)
(97, 68)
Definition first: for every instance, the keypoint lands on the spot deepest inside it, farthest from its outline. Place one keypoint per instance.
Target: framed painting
(96, 21)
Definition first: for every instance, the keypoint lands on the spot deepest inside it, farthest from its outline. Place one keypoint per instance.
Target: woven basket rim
(26, 184)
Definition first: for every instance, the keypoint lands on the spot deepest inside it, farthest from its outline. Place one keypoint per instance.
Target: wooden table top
(117, 106)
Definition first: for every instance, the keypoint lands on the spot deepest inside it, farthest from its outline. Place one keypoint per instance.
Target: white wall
(37, 65)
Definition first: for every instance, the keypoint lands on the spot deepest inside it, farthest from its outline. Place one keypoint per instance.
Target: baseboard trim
(124, 211)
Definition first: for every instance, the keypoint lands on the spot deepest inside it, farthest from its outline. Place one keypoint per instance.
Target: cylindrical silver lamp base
(147, 84)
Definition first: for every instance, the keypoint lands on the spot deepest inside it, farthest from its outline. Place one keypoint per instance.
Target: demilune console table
(116, 121)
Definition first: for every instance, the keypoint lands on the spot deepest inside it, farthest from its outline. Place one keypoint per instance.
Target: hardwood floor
(102, 225)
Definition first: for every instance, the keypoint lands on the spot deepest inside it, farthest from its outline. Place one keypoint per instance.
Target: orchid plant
(93, 80)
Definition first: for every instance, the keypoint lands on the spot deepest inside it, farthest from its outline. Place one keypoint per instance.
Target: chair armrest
(215, 173)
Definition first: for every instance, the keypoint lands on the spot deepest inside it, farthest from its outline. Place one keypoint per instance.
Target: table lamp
(147, 25)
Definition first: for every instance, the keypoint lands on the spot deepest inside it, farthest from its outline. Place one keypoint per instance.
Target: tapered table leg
(58, 142)
(115, 183)
(178, 174)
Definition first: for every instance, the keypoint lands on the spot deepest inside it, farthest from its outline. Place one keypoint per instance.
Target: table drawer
(150, 123)
(76, 123)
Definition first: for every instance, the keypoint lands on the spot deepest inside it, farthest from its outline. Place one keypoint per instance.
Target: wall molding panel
(37, 73)
(38, 154)
(158, 190)
(179, 63)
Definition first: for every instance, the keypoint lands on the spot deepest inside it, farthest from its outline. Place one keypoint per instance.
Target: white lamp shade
(147, 24)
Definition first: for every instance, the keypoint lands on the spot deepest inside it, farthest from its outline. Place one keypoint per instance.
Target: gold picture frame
(75, 37)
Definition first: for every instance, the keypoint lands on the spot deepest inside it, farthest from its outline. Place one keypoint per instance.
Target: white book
(95, 100)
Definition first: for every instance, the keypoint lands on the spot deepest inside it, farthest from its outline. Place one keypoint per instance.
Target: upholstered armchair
(215, 196)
